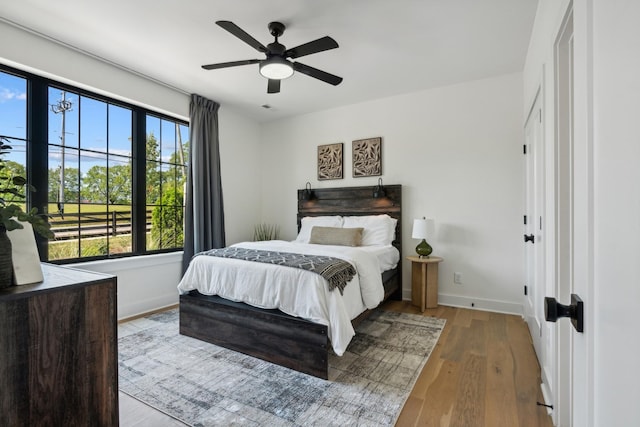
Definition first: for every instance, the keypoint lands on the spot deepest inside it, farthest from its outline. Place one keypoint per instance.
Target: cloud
(8, 95)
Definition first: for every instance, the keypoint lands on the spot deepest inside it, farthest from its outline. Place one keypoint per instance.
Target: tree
(94, 185)
(71, 185)
(179, 158)
(174, 176)
(120, 184)
(153, 169)
(167, 221)
(112, 186)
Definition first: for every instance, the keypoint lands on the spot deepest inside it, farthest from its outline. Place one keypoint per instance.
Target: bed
(274, 334)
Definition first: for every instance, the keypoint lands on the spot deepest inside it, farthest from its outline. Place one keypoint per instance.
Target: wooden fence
(93, 224)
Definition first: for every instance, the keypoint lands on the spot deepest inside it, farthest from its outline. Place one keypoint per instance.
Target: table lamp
(423, 228)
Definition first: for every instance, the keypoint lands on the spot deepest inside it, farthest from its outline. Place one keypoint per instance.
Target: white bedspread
(293, 291)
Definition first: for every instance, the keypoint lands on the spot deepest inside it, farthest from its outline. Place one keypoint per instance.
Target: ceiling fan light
(276, 68)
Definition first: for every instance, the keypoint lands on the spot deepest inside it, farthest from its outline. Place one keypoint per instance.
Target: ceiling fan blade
(273, 86)
(242, 35)
(317, 74)
(230, 64)
(320, 45)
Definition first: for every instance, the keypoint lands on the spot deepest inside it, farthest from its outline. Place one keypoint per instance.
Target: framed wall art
(330, 161)
(367, 157)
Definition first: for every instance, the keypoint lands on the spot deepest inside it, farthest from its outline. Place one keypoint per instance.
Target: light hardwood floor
(482, 372)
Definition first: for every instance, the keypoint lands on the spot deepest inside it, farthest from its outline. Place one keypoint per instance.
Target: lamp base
(424, 249)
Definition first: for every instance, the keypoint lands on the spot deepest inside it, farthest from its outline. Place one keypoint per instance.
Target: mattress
(294, 291)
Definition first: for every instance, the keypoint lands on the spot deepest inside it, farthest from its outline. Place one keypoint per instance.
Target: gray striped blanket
(337, 272)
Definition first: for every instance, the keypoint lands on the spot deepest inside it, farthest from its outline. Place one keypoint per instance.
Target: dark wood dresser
(58, 350)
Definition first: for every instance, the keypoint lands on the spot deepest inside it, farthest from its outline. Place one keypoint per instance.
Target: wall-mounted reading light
(307, 194)
(379, 192)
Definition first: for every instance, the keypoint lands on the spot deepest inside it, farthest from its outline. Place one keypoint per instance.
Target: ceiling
(386, 47)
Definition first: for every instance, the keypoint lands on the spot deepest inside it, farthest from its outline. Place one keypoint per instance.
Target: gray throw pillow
(336, 236)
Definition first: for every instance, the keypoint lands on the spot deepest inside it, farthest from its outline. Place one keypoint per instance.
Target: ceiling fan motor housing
(276, 29)
(276, 48)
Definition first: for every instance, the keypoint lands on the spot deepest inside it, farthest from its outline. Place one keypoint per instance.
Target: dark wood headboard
(353, 201)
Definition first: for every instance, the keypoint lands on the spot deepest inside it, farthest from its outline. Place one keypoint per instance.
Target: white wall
(241, 166)
(145, 283)
(616, 99)
(456, 150)
(149, 282)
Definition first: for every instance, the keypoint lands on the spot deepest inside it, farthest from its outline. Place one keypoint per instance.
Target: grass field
(94, 246)
(87, 208)
(52, 208)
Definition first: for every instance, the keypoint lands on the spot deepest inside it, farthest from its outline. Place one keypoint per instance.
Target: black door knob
(553, 310)
(529, 238)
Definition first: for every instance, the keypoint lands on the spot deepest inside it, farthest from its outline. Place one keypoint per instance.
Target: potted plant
(12, 213)
(263, 232)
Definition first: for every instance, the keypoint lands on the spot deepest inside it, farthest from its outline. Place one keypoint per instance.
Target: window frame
(37, 143)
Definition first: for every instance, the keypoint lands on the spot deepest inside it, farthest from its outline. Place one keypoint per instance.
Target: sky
(13, 118)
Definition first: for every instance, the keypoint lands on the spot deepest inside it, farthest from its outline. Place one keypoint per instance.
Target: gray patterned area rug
(202, 384)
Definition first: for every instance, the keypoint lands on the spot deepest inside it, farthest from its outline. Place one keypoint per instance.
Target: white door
(533, 222)
(573, 229)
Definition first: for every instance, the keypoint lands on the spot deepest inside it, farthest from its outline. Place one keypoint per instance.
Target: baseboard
(126, 311)
(481, 304)
(547, 395)
(474, 303)
(147, 313)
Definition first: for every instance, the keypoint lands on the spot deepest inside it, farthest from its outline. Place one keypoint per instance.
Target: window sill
(129, 263)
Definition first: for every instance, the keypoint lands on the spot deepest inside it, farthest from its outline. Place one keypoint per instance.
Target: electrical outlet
(457, 278)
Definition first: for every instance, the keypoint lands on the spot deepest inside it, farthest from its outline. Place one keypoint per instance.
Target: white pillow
(308, 222)
(379, 230)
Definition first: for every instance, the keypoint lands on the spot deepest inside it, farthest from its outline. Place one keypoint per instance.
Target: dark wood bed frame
(272, 335)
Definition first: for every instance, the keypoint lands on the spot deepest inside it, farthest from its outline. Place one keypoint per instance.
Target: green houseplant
(263, 232)
(12, 197)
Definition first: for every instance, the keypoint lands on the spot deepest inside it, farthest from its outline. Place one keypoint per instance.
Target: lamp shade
(422, 228)
(276, 68)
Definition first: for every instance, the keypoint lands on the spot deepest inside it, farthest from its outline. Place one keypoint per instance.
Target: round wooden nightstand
(424, 281)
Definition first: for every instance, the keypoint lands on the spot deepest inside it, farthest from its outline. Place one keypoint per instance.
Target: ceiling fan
(276, 66)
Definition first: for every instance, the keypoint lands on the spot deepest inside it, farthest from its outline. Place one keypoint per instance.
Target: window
(114, 172)
(166, 177)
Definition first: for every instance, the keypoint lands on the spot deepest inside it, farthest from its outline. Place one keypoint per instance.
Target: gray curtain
(204, 213)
